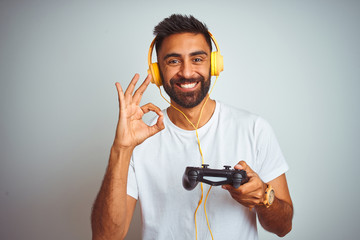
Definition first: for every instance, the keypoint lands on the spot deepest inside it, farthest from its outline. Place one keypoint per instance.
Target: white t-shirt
(157, 166)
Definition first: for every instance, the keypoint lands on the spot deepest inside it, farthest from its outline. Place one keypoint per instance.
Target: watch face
(271, 196)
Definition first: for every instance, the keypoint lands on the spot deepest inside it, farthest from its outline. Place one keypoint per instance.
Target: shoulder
(229, 114)
(232, 111)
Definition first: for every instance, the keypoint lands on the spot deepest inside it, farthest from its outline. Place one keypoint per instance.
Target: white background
(296, 63)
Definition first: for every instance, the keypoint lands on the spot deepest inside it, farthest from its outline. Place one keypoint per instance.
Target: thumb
(241, 165)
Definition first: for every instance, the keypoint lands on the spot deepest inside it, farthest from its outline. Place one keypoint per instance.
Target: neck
(192, 114)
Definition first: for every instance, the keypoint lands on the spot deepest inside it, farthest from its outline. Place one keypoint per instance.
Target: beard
(187, 99)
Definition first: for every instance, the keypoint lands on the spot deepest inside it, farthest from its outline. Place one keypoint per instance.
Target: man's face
(184, 61)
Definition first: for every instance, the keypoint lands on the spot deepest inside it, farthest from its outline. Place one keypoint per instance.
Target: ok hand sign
(131, 129)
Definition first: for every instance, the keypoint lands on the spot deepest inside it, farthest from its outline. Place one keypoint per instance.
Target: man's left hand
(251, 193)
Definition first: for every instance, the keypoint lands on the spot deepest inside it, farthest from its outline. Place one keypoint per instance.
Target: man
(147, 161)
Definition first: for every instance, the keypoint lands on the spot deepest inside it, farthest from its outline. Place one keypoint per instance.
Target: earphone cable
(201, 153)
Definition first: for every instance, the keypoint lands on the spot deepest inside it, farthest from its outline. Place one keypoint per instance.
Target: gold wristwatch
(269, 196)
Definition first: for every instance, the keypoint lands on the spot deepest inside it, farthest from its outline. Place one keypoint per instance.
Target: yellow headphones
(217, 63)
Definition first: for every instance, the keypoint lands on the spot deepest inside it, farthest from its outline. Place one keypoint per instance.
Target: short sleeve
(270, 161)
(132, 189)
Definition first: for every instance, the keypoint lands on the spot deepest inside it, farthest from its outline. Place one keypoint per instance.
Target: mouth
(187, 85)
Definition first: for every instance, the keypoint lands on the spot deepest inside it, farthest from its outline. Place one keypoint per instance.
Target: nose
(186, 70)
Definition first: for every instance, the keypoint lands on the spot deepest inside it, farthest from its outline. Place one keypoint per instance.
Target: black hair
(178, 23)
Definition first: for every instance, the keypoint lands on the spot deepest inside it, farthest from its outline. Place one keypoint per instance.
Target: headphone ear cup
(217, 63)
(155, 73)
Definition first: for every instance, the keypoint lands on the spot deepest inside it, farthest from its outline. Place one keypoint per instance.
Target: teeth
(188, 85)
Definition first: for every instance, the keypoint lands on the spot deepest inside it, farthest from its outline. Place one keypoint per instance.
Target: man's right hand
(131, 129)
(113, 208)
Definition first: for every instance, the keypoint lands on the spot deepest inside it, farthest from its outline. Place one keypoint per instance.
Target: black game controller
(194, 175)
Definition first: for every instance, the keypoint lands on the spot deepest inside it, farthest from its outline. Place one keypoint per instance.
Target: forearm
(277, 218)
(109, 212)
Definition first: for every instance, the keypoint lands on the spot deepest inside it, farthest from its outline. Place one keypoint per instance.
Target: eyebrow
(198, 53)
(179, 55)
(171, 55)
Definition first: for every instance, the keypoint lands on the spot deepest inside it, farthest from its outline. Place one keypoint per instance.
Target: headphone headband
(151, 50)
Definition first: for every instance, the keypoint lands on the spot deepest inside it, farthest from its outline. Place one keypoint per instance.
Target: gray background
(296, 63)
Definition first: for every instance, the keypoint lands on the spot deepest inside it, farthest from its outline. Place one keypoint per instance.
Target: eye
(198, 60)
(174, 61)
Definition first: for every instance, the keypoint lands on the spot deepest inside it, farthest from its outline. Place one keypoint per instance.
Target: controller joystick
(215, 177)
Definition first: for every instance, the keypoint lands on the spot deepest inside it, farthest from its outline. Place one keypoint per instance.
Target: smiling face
(184, 61)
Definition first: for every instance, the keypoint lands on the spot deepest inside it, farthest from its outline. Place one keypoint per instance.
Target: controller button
(192, 173)
(227, 167)
(205, 165)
